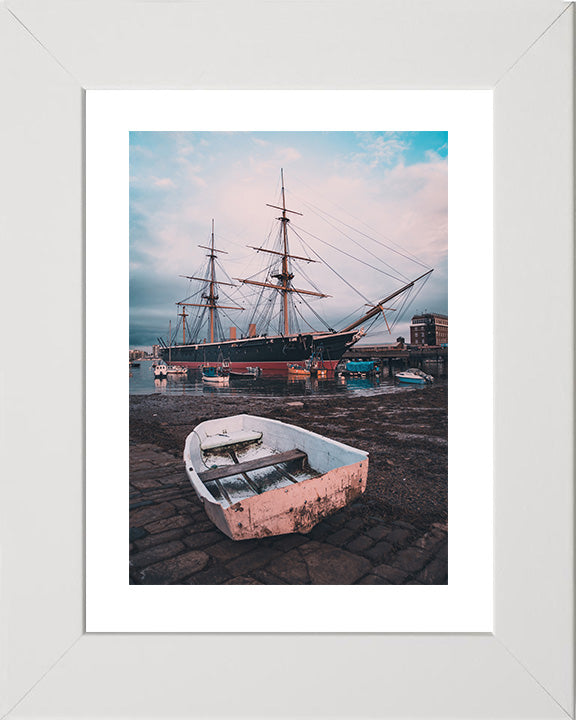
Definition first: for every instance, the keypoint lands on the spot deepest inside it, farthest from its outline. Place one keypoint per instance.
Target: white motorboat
(176, 370)
(415, 376)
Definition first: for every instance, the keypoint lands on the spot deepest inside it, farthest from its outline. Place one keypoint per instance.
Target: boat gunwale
(205, 494)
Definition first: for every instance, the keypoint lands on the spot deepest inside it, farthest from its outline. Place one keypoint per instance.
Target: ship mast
(211, 296)
(285, 276)
(183, 315)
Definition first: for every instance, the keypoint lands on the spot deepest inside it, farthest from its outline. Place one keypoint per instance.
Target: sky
(374, 208)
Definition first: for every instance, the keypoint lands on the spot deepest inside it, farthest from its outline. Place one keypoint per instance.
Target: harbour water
(142, 382)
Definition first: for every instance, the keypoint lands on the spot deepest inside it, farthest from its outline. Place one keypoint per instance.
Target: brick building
(429, 329)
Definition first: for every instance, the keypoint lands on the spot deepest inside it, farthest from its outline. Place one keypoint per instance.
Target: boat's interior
(233, 458)
(239, 465)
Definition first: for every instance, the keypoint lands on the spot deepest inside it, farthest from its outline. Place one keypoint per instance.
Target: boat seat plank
(256, 464)
(214, 442)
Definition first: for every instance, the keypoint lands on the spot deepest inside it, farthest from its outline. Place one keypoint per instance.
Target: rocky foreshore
(395, 534)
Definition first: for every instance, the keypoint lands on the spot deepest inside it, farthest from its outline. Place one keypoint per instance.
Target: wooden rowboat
(258, 477)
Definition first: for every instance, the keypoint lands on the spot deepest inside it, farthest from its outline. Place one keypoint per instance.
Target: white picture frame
(54, 51)
(465, 603)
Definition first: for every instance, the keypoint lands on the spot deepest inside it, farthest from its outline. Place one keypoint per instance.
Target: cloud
(185, 148)
(163, 182)
(378, 149)
(356, 192)
(288, 155)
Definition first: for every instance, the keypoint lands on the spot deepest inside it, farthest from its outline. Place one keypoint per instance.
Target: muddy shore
(405, 433)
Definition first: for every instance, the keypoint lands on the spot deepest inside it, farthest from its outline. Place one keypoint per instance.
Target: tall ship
(272, 339)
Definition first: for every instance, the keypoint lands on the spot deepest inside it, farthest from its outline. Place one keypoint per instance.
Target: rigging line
(317, 315)
(230, 239)
(411, 256)
(274, 317)
(308, 279)
(197, 327)
(191, 297)
(335, 247)
(256, 306)
(199, 321)
(402, 276)
(190, 288)
(222, 269)
(264, 318)
(372, 323)
(218, 329)
(411, 300)
(199, 272)
(295, 325)
(304, 320)
(259, 272)
(405, 253)
(404, 307)
(303, 324)
(310, 248)
(400, 312)
(229, 319)
(225, 272)
(352, 314)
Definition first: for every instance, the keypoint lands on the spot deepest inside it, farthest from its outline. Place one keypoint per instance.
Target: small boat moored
(258, 477)
(295, 370)
(415, 376)
(360, 368)
(215, 374)
(250, 374)
(160, 370)
(176, 370)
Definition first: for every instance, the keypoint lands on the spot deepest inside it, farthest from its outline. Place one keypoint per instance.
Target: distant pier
(389, 359)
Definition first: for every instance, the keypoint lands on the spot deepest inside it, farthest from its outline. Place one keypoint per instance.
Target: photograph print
(288, 358)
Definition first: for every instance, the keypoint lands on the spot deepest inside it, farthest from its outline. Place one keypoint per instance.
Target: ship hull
(271, 354)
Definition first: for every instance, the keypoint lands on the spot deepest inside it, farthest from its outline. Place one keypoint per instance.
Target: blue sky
(380, 197)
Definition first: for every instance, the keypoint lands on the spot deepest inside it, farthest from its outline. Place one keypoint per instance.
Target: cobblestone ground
(172, 541)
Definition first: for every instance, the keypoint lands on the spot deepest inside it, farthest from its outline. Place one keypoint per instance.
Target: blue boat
(360, 366)
(414, 376)
(218, 374)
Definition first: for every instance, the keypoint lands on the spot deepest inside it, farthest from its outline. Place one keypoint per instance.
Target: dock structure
(389, 359)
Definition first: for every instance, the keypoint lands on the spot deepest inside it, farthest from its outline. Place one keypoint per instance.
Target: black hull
(271, 354)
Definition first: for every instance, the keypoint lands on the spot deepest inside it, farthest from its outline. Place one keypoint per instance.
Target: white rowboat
(258, 477)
